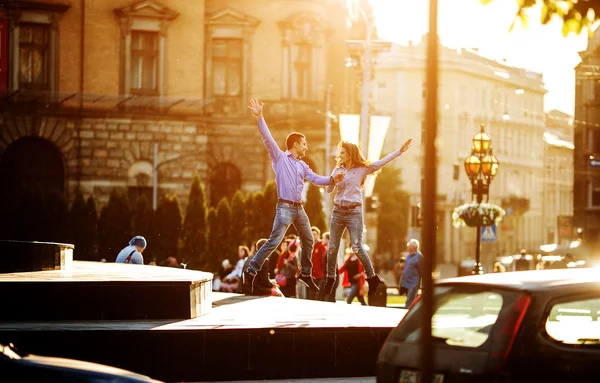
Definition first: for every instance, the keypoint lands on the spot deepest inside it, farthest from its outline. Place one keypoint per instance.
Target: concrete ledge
(105, 291)
(22, 256)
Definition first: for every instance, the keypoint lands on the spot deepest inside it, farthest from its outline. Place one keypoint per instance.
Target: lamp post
(481, 168)
(354, 8)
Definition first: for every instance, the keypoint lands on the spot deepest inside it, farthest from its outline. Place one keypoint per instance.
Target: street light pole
(328, 146)
(364, 109)
(155, 167)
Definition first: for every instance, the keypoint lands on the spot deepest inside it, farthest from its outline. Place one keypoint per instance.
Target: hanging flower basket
(477, 214)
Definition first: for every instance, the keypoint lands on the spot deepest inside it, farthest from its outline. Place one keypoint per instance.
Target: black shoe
(308, 281)
(373, 282)
(329, 283)
(248, 282)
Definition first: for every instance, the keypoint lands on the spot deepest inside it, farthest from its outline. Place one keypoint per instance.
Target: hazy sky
(468, 24)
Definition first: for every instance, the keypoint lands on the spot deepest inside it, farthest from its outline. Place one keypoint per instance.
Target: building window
(594, 193)
(144, 62)
(34, 48)
(228, 63)
(33, 45)
(302, 68)
(144, 27)
(302, 48)
(227, 67)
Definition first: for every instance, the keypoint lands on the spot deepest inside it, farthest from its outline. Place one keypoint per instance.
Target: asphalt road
(326, 380)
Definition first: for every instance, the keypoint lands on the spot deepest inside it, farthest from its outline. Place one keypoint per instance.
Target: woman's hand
(406, 146)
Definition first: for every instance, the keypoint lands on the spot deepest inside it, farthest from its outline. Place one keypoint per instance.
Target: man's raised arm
(270, 144)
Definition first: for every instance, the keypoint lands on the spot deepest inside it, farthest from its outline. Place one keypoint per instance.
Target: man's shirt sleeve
(270, 144)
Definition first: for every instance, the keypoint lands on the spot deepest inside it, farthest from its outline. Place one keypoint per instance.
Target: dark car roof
(538, 280)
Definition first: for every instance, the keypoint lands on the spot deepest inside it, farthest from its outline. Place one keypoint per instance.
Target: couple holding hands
(347, 179)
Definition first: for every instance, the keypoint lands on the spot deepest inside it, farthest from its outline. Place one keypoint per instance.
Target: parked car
(17, 368)
(506, 327)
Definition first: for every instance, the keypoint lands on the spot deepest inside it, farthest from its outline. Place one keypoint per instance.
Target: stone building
(90, 88)
(472, 90)
(586, 156)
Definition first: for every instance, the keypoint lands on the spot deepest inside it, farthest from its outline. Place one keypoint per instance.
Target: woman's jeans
(354, 293)
(352, 219)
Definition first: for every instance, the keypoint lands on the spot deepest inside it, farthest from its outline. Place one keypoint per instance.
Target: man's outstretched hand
(256, 107)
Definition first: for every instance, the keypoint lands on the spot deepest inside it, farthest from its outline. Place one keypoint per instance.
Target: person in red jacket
(354, 277)
(319, 258)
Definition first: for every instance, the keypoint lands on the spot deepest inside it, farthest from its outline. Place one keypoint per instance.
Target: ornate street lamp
(481, 168)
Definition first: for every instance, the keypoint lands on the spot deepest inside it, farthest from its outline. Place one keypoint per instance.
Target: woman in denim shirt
(347, 209)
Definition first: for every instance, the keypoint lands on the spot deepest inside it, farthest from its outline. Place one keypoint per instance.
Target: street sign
(595, 163)
(488, 233)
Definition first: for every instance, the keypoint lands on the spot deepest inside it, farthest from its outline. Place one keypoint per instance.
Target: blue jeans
(351, 219)
(411, 295)
(354, 293)
(286, 215)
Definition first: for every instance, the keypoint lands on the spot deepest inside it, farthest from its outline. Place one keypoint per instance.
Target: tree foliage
(576, 15)
(226, 242)
(238, 219)
(195, 229)
(167, 227)
(143, 224)
(394, 204)
(314, 207)
(114, 225)
(84, 227)
(212, 260)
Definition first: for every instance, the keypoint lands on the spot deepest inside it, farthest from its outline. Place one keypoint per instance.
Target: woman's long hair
(356, 158)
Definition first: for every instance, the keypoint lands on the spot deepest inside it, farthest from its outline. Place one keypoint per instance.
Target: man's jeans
(286, 215)
(352, 219)
(411, 295)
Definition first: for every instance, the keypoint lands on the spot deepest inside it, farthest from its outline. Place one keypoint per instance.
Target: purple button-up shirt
(290, 172)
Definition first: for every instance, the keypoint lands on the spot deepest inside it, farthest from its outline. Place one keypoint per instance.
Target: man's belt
(290, 202)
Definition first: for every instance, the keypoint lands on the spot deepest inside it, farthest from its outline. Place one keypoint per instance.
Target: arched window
(225, 180)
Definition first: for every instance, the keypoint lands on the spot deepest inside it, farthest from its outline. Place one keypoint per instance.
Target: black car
(16, 368)
(507, 327)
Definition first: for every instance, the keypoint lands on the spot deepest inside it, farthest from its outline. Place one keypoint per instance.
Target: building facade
(558, 179)
(586, 183)
(101, 91)
(472, 90)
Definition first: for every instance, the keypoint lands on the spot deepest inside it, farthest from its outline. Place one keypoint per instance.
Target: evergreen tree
(57, 217)
(168, 227)
(270, 203)
(249, 216)
(238, 219)
(195, 230)
(314, 207)
(212, 260)
(260, 220)
(114, 225)
(80, 227)
(394, 204)
(227, 242)
(91, 234)
(143, 224)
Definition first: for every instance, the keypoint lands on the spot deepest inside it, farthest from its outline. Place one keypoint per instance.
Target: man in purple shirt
(290, 173)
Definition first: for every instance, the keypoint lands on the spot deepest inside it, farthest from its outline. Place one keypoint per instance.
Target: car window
(463, 316)
(575, 322)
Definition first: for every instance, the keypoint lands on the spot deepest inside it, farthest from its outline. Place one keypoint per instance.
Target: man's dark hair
(292, 138)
